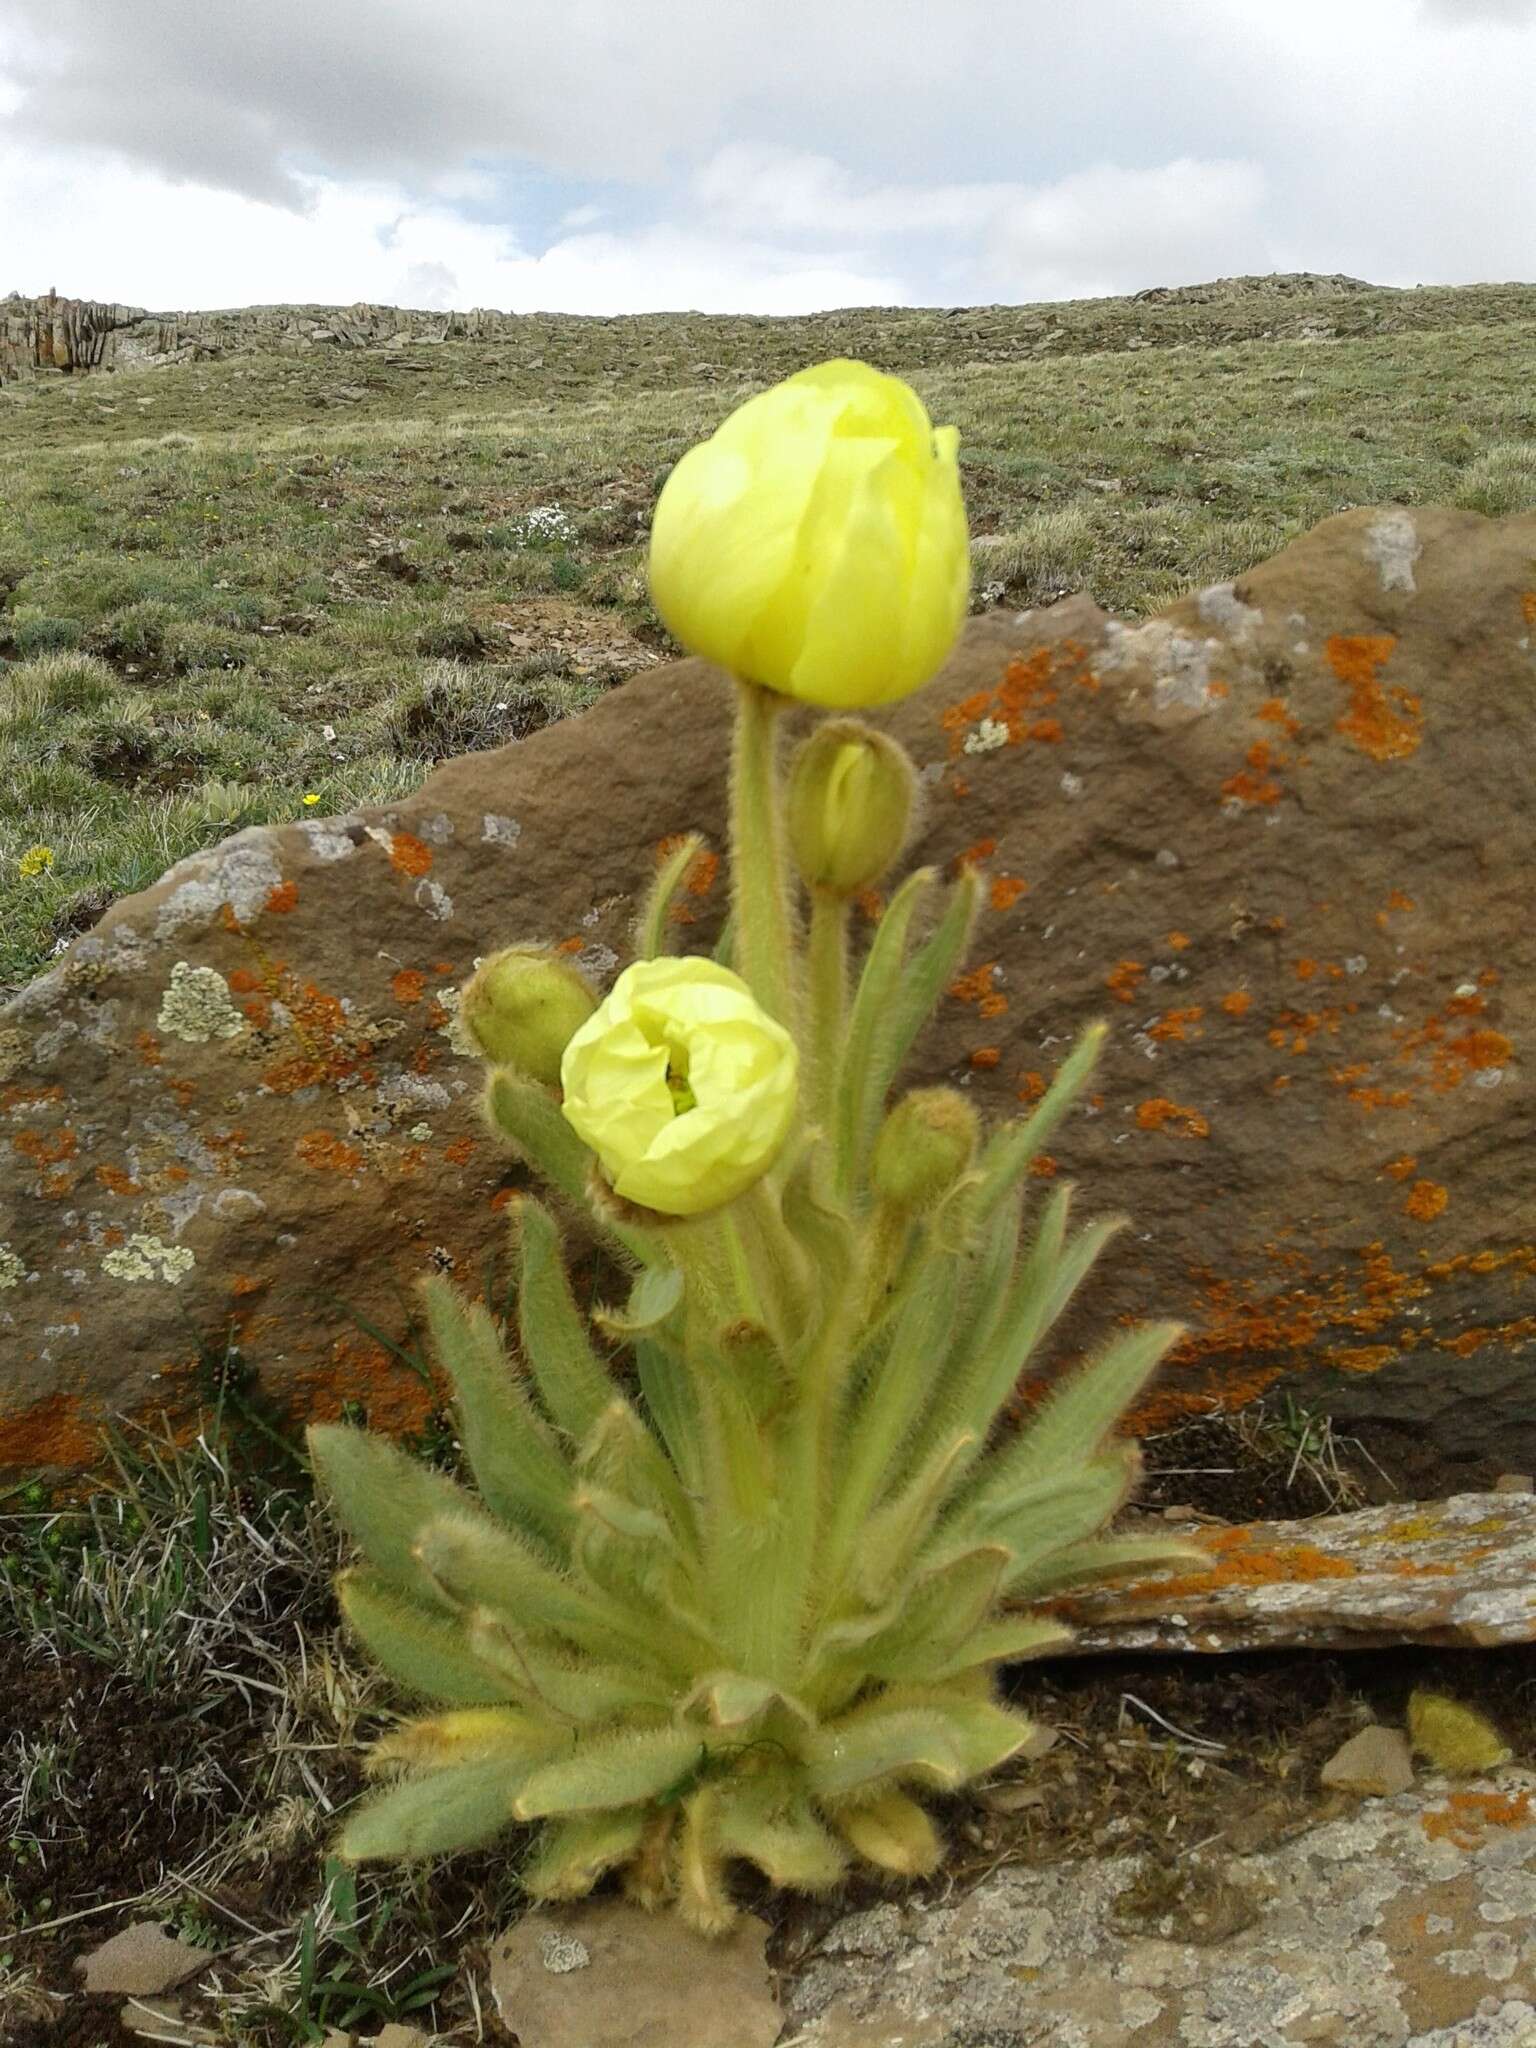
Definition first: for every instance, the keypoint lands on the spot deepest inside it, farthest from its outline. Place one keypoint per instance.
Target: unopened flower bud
(524, 1006)
(925, 1144)
(850, 806)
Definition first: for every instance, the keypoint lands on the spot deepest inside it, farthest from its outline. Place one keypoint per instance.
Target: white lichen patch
(987, 737)
(1392, 543)
(148, 1258)
(198, 1007)
(12, 1269)
(1220, 607)
(1180, 663)
(498, 831)
(436, 830)
(327, 841)
(242, 873)
(434, 900)
(454, 1029)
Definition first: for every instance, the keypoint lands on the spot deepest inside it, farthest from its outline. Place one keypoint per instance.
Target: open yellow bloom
(816, 543)
(682, 1085)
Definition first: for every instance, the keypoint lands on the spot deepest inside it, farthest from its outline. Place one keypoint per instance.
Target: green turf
(230, 585)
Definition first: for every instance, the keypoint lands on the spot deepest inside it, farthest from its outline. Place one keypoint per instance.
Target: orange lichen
(1178, 1024)
(460, 1152)
(974, 855)
(1466, 1817)
(1255, 784)
(975, 986)
(244, 1284)
(148, 1048)
(1384, 724)
(992, 1006)
(1123, 980)
(409, 855)
(1159, 1114)
(1047, 730)
(116, 1182)
(1026, 688)
(1399, 1169)
(1238, 1003)
(1305, 970)
(1240, 1558)
(1426, 1199)
(871, 904)
(57, 1430)
(1528, 607)
(46, 1148)
(1275, 711)
(408, 986)
(1043, 1167)
(328, 1153)
(1179, 941)
(986, 1056)
(283, 897)
(1006, 891)
(1031, 1087)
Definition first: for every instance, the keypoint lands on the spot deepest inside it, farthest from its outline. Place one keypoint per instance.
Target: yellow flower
(311, 799)
(682, 1086)
(816, 543)
(37, 860)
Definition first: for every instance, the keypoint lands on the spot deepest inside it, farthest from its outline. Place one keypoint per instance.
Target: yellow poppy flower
(816, 543)
(682, 1085)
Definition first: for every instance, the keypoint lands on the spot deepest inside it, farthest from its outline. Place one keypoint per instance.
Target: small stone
(141, 1962)
(1012, 1798)
(1514, 1482)
(160, 2019)
(645, 1981)
(1375, 1764)
(397, 2035)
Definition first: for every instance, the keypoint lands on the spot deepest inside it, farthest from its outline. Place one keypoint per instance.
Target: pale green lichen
(148, 1258)
(197, 1006)
(12, 1270)
(455, 1030)
(13, 1053)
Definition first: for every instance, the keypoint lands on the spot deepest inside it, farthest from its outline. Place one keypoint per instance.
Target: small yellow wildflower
(311, 798)
(37, 860)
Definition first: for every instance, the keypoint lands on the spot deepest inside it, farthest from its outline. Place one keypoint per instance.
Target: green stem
(759, 867)
(741, 1268)
(827, 976)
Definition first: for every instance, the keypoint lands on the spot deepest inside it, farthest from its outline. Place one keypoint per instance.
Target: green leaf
(433, 1815)
(573, 1854)
(479, 1564)
(426, 1652)
(574, 1384)
(896, 1533)
(883, 1743)
(653, 1301)
(1004, 1642)
(863, 1076)
(944, 1607)
(924, 980)
(611, 1771)
(732, 1700)
(766, 1825)
(651, 930)
(1107, 1557)
(1059, 1512)
(1015, 1148)
(520, 1470)
(1076, 1418)
(566, 1684)
(673, 1407)
(384, 1499)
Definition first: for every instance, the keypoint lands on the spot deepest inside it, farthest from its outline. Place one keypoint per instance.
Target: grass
(227, 586)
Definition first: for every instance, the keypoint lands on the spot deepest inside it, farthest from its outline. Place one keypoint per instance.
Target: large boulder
(1279, 836)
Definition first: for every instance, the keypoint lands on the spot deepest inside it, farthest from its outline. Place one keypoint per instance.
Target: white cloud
(371, 241)
(1105, 229)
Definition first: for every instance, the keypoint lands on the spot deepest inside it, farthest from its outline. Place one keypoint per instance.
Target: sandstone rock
(607, 1972)
(1411, 1923)
(51, 333)
(1458, 1572)
(1375, 1764)
(142, 1960)
(1279, 836)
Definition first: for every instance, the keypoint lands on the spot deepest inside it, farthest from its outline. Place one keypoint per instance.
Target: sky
(755, 156)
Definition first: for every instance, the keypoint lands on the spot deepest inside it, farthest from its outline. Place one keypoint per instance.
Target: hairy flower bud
(925, 1144)
(523, 1007)
(850, 806)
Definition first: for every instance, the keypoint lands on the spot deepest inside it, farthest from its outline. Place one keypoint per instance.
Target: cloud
(372, 241)
(1466, 13)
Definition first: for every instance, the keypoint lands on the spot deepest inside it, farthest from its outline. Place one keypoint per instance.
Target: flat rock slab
(142, 1961)
(1409, 1924)
(607, 1973)
(1278, 836)
(1458, 1572)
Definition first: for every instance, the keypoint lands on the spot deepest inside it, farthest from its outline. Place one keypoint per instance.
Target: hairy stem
(827, 977)
(759, 867)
